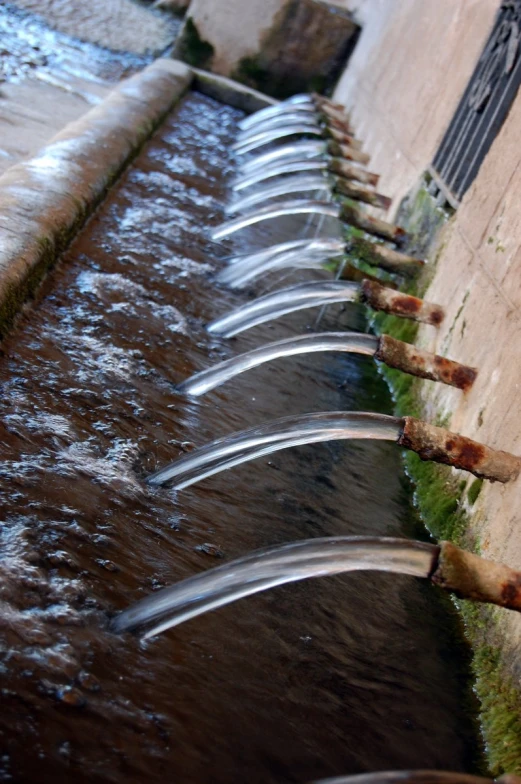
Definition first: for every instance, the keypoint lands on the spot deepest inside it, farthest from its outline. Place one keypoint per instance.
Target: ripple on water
(328, 677)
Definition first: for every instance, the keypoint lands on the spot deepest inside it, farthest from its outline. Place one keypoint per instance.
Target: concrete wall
(405, 77)
(278, 46)
(235, 28)
(403, 83)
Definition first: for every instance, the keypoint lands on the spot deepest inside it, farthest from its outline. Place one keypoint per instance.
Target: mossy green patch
(191, 48)
(439, 499)
(474, 490)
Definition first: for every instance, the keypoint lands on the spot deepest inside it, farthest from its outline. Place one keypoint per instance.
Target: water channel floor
(342, 675)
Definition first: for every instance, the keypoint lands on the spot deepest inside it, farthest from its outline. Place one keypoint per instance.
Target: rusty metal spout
(442, 446)
(471, 577)
(334, 121)
(334, 111)
(355, 217)
(382, 256)
(382, 298)
(417, 777)
(342, 137)
(361, 193)
(321, 100)
(349, 172)
(348, 153)
(350, 272)
(403, 356)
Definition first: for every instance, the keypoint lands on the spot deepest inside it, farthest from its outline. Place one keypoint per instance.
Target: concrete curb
(231, 92)
(45, 200)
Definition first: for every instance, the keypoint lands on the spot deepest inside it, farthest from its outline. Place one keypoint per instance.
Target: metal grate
(484, 106)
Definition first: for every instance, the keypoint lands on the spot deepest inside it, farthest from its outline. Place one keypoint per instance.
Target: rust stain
(437, 316)
(468, 454)
(461, 376)
(510, 593)
(407, 304)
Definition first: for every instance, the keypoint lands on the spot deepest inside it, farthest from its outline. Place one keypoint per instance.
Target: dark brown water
(331, 676)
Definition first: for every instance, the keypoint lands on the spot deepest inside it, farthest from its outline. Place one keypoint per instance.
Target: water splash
(285, 208)
(278, 303)
(203, 382)
(269, 437)
(269, 568)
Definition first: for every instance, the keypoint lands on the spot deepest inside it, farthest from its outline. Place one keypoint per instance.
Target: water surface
(339, 675)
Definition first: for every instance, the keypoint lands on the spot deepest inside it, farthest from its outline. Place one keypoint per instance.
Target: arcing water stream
(318, 679)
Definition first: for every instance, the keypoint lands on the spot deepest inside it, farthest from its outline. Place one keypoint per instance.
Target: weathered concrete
(402, 113)
(44, 200)
(279, 46)
(404, 80)
(231, 92)
(233, 41)
(120, 25)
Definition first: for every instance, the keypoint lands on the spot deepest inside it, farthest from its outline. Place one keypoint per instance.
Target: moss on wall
(191, 48)
(444, 503)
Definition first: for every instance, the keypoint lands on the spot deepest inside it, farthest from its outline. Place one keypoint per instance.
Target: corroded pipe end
(350, 272)
(403, 356)
(345, 169)
(380, 228)
(323, 101)
(333, 121)
(347, 152)
(471, 577)
(381, 256)
(442, 446)
(342, 137)
(360, 193)
(382, 298)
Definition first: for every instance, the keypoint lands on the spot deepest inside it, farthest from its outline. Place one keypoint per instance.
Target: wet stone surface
(29, 47)
(329, 676)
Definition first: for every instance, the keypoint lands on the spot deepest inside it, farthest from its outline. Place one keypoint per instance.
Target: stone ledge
(231, 92)
(46, 199)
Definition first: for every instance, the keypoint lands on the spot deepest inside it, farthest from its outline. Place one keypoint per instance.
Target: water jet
(316, 293)
(394, 353)
(428, 441)
(418, 777)
(302, 183)
(342, 210)
(459, 572)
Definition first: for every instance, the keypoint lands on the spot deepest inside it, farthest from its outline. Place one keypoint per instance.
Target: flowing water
(299, 184)
(283, 301)
(314, 254)
(270, 568)
(205, 380)
(340, 675)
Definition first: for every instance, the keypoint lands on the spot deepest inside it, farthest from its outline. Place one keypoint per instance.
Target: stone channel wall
(278, 46)
(402, 86)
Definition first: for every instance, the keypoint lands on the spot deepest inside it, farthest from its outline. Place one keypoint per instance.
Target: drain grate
(483, 107)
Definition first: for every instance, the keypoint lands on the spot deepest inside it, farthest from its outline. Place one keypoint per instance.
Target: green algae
(443, 502)
(474, 490)
(192, 48)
